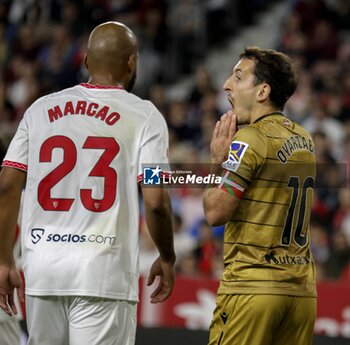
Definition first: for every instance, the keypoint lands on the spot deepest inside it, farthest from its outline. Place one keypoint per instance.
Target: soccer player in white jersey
(79, 154)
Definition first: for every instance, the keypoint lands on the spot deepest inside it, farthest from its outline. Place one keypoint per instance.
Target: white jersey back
(83, 150)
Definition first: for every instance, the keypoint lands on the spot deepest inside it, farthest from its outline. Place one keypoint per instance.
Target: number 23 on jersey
(101, 169)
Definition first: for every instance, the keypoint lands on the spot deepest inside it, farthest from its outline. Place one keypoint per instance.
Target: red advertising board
(193, 301)
(333, 310)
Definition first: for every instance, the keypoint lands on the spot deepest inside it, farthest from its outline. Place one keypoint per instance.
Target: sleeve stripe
(231, 187)
(233, 191)
(222, 179)
(226, 179)
(16, 165)
(232, 184)
(228, 189)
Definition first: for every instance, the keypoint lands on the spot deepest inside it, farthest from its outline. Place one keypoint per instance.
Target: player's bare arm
(220, 206)
(159, 222)
(11, 185)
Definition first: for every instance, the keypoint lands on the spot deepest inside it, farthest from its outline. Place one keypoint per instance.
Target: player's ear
(85, 62)
(132, 63)
(263, 92)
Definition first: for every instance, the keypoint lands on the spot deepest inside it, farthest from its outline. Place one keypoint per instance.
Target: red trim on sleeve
(97, 86)
(16, 165)
(140, 178)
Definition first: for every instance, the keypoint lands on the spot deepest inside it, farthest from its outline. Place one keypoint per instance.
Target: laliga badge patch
(237, 150)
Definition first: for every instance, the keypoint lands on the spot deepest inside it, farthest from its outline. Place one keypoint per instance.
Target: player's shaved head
(111, 55)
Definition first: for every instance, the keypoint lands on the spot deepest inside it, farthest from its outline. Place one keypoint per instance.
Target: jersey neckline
(98, 86)
(269, 114)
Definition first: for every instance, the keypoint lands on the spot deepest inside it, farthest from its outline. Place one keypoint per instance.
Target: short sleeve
(154, 145)
(246, 155)
(17, 153)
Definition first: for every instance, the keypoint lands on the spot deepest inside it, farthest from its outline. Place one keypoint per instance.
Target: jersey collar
(269, 114)
(98, 86)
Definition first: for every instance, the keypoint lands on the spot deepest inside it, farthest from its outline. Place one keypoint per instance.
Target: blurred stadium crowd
(42, 45)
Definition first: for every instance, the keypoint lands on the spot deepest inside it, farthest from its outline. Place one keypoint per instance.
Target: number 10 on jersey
(300, 237)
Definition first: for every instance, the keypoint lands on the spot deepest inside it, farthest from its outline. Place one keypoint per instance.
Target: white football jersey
(83, 150)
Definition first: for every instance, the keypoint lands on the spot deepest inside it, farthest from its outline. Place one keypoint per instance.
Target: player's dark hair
(276, 69)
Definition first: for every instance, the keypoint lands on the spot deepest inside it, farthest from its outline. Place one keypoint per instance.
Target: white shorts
(10, 331)
(76, 320)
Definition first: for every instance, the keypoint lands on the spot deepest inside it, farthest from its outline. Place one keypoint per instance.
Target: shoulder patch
(236, 153)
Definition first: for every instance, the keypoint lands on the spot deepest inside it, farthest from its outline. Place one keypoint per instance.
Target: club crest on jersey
(235, 155)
